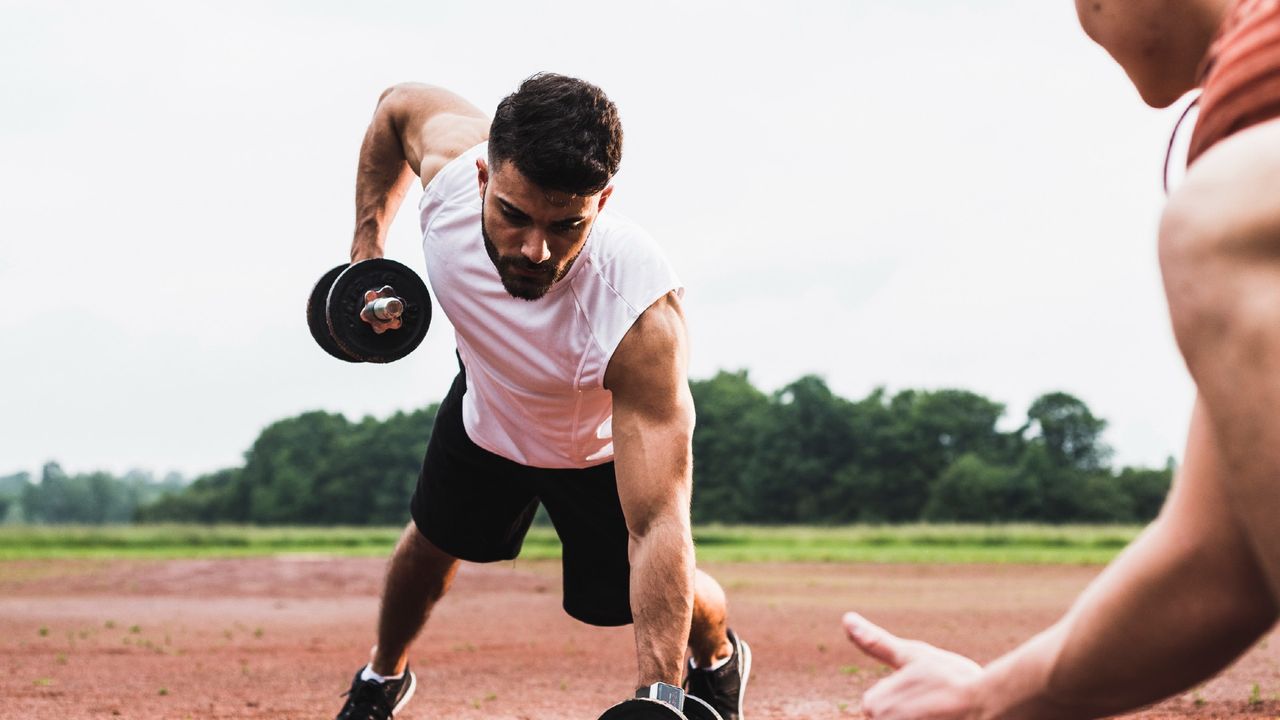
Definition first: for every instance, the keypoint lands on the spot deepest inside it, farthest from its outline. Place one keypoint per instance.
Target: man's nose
(535, 248)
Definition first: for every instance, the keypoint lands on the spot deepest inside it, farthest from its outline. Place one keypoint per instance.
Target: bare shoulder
(651, 362)
(1227, 199)
(436, 125)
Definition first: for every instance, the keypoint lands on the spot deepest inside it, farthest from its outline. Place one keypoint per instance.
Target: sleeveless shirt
(535, 369)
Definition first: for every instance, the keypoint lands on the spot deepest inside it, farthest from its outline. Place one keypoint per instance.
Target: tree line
(806, 455)
(94, 498)
(802, 454)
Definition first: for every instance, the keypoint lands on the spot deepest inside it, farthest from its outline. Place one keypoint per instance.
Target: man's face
(532, 235)
(1159, 43)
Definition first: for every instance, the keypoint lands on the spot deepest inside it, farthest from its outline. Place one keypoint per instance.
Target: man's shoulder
(456, 180)
(652, 350)
(624, 262)
(453, 189)
(619, 244)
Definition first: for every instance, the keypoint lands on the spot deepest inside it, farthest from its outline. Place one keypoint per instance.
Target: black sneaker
(373, 700)
(723, 687)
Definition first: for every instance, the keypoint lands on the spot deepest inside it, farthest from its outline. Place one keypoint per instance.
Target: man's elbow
(665, 540)
(400, 95)
(670, 524)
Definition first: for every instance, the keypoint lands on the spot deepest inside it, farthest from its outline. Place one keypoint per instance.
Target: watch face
(669, 694)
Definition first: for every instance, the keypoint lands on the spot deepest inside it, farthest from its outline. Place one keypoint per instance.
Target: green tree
(973, 490)
(285, 466)
(12, 488)
(208, 499)
(1069, 431)
(317, 469)
(732, 415)
(807, 437)
(905, 443)
(1145, 489)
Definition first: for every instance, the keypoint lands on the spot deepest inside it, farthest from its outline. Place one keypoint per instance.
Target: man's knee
(415, 546)
(708, 596)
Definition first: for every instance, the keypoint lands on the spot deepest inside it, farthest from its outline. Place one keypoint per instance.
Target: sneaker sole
(746, 673)
(413, 685)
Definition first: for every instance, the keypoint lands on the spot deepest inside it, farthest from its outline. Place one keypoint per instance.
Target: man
(1202, 583)
(572, 390)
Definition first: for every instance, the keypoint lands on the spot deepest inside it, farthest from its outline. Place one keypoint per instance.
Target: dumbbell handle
(388, 308)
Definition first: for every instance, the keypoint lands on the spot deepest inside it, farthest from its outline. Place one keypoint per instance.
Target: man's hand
(928, 683)
(367, 313)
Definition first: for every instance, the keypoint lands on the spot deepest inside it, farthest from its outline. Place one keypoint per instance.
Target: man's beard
(524, 287)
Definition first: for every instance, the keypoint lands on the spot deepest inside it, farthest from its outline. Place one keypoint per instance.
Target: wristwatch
(669, 694)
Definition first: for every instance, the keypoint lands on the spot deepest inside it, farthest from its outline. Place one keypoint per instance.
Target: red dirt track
(280, 638)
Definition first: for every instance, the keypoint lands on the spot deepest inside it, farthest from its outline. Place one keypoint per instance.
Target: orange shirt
(1241, 79)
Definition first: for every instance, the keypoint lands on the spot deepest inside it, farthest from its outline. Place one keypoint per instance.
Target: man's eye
(513, 218)
(565, 227)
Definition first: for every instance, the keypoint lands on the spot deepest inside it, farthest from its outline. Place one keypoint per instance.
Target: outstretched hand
(928, 683)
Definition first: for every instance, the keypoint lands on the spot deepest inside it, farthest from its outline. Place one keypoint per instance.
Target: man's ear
(604, 197)
(482, 173)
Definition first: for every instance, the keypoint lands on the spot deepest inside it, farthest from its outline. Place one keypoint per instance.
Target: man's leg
(708, 635)
(721, 661)
(1220, 255)
(418, 575)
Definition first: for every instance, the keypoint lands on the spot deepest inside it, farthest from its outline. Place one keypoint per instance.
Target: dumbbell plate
(317, 314)
(642, 709)
(696, 708)
(354, 336)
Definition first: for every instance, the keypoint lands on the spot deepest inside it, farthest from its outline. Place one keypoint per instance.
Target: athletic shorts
(477, 506)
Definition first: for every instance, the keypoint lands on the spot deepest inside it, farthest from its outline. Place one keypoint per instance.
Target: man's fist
(371, 316)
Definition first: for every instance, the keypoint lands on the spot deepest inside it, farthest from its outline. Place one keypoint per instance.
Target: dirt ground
(280, 638)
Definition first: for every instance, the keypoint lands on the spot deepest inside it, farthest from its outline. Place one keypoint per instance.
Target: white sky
(911, 193)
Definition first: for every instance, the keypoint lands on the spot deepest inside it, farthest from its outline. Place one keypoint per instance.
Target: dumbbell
(661, 701)
(335, 304)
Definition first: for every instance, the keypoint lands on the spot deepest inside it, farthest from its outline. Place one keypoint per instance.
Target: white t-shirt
(535, 370)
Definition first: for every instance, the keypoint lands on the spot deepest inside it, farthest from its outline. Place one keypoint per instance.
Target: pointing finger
(877, 642)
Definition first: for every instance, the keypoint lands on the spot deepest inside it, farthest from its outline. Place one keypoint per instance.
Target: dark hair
(562, 133)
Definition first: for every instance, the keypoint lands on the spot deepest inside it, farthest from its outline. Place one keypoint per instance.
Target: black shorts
(477, 506)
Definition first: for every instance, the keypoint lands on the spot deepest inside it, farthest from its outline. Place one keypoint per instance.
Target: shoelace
(369, 698)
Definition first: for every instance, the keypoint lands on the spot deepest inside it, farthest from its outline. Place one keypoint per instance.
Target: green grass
(1036, 544)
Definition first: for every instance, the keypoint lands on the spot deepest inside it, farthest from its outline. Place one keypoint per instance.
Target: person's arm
(416, 130)
(1176, 606)
(653, 457)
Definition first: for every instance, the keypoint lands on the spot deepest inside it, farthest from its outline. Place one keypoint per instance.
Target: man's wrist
(364, 250)
(663, 692)
(1011, 688)
(979, 693)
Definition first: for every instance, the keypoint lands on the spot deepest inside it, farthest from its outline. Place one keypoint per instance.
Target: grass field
(1037, 544)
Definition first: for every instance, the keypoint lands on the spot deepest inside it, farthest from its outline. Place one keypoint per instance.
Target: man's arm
(416, 130)
(1177, 605)
(653, 456)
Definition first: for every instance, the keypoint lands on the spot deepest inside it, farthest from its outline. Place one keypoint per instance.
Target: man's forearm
(662, 571)
(383, 176)
(1171, 611)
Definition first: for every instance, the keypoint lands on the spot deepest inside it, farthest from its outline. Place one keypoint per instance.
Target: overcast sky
(908, 193)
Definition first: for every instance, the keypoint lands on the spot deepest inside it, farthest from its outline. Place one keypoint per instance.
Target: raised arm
(416, 130)
(653, 455)
(1177, 605)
